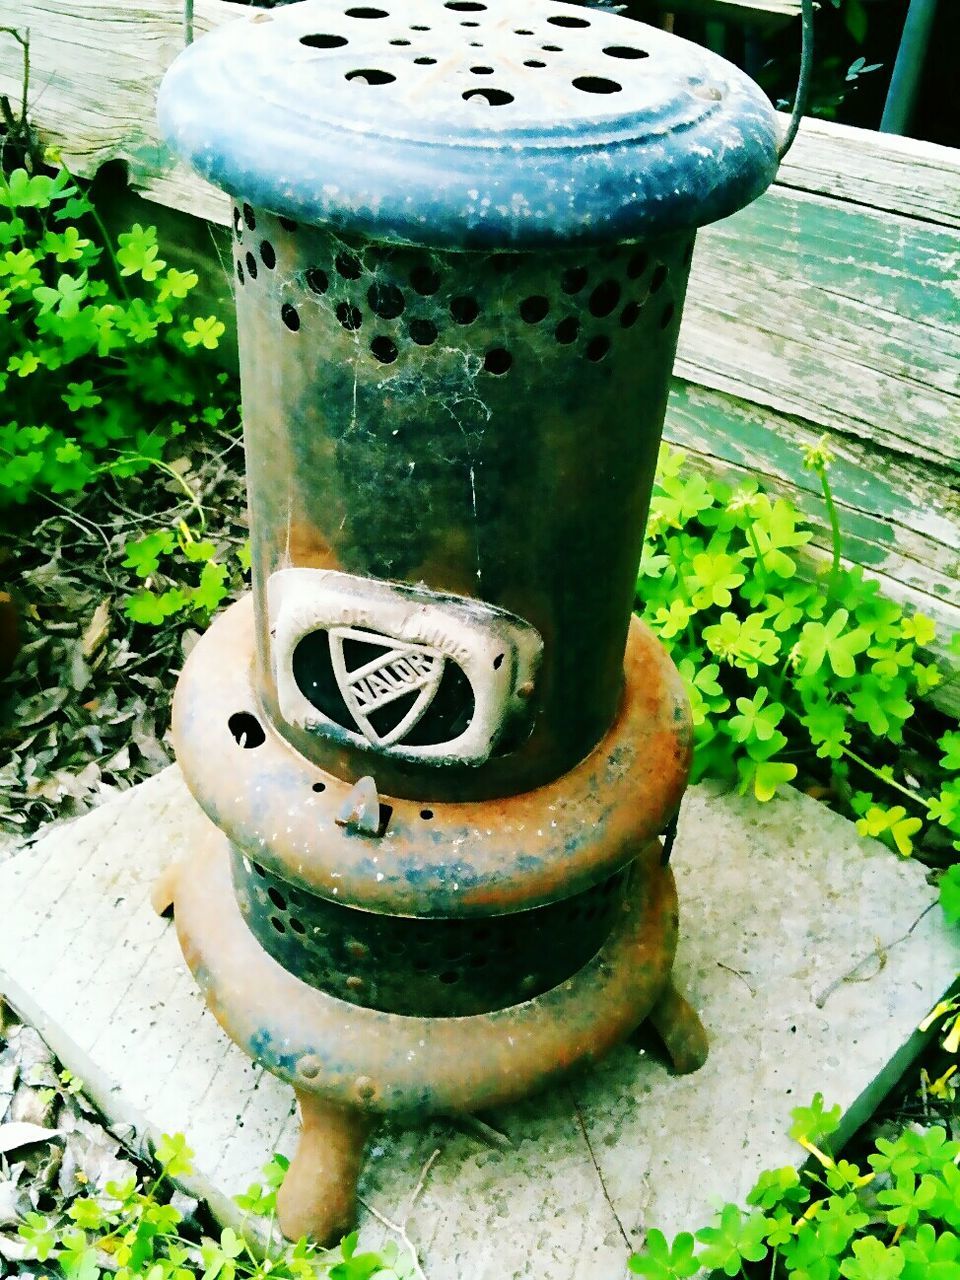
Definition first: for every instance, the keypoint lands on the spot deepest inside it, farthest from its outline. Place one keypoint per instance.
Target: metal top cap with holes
(470, 124)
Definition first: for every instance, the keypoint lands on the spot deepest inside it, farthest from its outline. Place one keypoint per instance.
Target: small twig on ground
(879, 953)
(596, 1167)
(742, 976)
(79, 522)
(400, 1228)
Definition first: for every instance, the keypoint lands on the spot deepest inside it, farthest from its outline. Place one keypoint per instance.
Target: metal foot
(164, 890)
(319, 1194)
(680, 1030)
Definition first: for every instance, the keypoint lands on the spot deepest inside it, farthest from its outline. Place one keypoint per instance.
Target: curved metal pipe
(803, 81)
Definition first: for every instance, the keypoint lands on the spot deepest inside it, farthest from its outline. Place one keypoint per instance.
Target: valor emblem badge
(400, 669)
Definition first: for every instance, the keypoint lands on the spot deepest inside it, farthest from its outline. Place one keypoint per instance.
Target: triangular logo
(381, 673)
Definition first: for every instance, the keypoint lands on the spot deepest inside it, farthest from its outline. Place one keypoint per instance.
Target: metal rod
(908, 67)
(803, 80)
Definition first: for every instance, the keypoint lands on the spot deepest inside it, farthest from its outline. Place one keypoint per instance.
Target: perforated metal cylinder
(486, 424)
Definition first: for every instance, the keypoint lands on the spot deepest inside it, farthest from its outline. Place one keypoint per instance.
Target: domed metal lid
(469, 123)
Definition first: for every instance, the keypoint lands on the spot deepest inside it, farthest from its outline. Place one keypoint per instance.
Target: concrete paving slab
(811, 955)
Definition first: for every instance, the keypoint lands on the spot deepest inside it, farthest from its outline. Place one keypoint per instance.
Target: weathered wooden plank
(876, 170)
(844, 316)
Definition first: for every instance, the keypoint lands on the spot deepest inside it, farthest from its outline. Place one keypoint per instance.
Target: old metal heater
(435, 748)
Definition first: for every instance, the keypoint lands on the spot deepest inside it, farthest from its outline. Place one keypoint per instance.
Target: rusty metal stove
(436, 749)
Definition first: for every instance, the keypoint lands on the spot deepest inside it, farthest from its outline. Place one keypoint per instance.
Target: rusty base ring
(475, 858)
(372, 1061)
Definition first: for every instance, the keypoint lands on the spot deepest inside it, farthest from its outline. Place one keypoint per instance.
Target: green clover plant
(134, 1232)
(788, 669)
(97, 371)
(896, 1220)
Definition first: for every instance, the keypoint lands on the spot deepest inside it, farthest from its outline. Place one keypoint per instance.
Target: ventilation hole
(324, 41)
(422, 966)
(426, 814)
(288, 224)
(465, 6)
(401, 42)
(386, 813)
(492, 97)
(449, 977)
(319, 787)
(497, 360)
(573, 280)
(348, 265)
(629, 315)
(425, 280)
(267, 256)
(597, 348)
(658, 279)
(498, 662)
(240, 272)
(386, 300)
(604, 298)
(251, 262)
(596, 84)
(534, 63)
(419, 28)
(349, 316)
(237, 222)
(667, 315)
(246, 729)
(425, 62)
(423, 332)
(278, 924)
(625, 51)
(567, 331)
(464, 309)
(476, 44)
(533, 309)
(551, 48)
(367, 13)
(469, 24)
(482, 71)
(637, 264)
(317, 280)
(385, 349)
(277, 898)
(371, 75)
(258, 869)
(248, 217)
(290, 316)
(565, 20)
(297, 926)
(522, 31)
(478, 962)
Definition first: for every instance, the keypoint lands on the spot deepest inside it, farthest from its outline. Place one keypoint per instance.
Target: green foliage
(165, 559)
(897, 1220)
(132, 1232)
(95, 366)
(787, 669)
